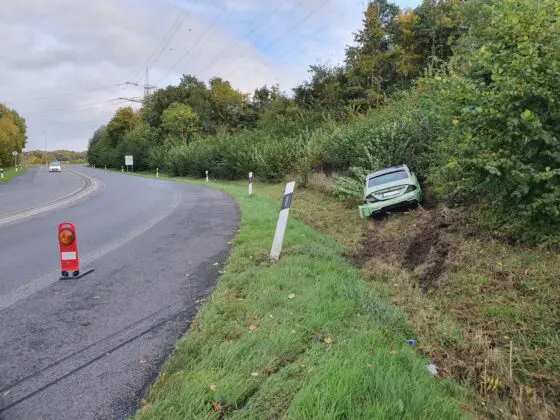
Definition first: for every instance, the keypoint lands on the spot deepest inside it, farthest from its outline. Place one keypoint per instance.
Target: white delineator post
(105, 168)
(157, 172)
(250, 183)
(1, 173)
(206, 176)
(282, 221)
(122, 170)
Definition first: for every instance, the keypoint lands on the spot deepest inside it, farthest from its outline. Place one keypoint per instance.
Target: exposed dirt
(492, 296)
(417, 240)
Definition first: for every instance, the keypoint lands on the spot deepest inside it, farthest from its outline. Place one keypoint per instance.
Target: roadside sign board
(128, 160)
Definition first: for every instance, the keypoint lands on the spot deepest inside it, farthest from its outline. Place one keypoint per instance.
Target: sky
(66, 63)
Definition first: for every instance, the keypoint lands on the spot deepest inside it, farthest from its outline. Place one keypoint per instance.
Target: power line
(315, 33)
(218, 56)
(138, 100)
(189, 50)
(277, 58)
(274, 42)
(155, 59)
(73, 109)
(177, 23)
(72, 93)
(155, 51)
(97, 121)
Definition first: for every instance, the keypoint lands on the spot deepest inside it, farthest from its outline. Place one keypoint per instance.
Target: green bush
(504, 153)
(401, 132)
(234, 156)
(350, 187)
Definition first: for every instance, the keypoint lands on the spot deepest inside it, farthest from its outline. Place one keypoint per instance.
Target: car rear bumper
(366, 210)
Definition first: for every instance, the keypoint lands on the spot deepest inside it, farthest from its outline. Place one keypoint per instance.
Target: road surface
(35, 187)
(87, 348)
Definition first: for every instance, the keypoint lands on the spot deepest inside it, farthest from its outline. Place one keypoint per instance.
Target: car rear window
(387, 178)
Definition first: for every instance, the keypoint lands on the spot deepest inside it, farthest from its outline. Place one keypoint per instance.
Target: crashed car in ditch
(390, 188)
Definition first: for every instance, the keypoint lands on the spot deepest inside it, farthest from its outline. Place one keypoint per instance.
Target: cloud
(64, 62)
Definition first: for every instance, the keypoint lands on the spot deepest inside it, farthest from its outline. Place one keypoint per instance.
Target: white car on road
(55, 167)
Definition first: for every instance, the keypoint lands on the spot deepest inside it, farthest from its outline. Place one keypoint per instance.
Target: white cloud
(62, 60)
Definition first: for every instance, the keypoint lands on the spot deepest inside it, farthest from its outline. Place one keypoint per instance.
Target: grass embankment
(10, 173)
(302, 338)
(489, 318)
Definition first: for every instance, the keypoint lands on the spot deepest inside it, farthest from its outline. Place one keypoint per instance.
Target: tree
(100, 151)
(139, 142)
(373, 61)
(123, 121)
(505, 154)
(263, 96)
(230, 107)
(13, 135)
(436, 27)
(181, 121)
(327, 89)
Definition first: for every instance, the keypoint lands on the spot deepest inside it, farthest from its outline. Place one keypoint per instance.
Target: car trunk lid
(387, 191)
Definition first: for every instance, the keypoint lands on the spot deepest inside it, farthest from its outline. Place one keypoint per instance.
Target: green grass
(302, 338)
(492, 298)
(10, 173)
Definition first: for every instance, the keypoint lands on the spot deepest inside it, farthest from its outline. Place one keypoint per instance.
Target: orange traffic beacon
(69, 258)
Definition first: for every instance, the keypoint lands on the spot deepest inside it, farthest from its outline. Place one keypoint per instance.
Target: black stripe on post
(286, 201)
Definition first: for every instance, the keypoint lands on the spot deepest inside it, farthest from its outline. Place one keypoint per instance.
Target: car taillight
(410, 188)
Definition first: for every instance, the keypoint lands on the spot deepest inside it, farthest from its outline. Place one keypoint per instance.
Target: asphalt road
(88, 348)
(35, 187)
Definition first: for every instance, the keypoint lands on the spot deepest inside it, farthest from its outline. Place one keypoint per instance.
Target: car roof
(389, 170)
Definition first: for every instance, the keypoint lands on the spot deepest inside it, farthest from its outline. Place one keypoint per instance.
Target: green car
(390, 188)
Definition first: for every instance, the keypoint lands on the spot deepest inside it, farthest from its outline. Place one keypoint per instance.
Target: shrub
(234, 156)
(350, 187)
(504, 152)
(401, 132)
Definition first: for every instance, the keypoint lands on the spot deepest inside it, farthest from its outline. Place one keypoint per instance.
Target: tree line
(390, 52)
(465, 92)
(13, 135)
(37, 157)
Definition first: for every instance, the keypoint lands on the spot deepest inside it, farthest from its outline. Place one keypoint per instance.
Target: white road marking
(80, 193)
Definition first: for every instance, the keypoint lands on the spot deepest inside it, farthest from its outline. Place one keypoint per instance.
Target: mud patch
(426, 255)
(417, 241)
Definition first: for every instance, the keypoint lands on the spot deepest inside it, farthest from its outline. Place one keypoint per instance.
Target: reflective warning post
(68, 242)
(282, 221)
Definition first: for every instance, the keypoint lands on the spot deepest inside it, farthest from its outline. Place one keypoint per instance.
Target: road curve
(34, 187)
(87, 349)
(37, 200)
